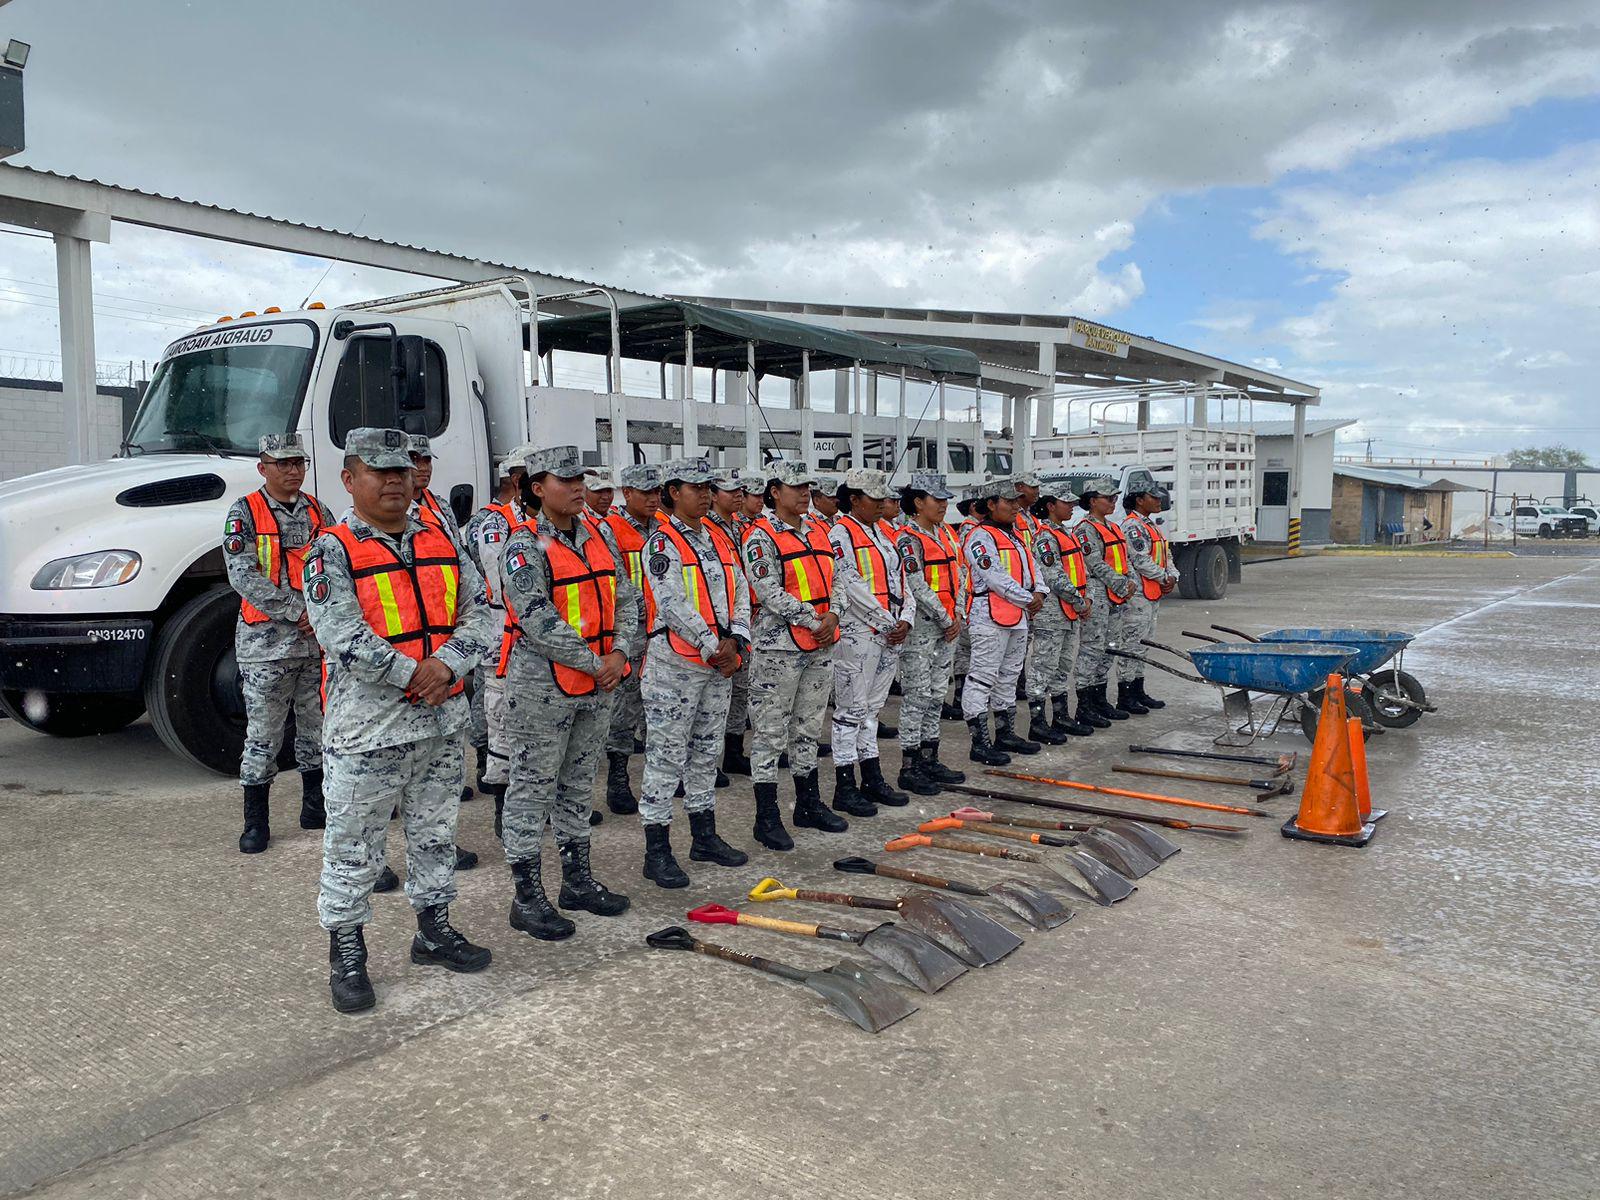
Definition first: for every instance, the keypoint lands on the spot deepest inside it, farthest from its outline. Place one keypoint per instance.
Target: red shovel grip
(714, 914)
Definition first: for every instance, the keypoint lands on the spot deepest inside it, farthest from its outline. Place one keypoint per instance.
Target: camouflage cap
(282, 445)
(380, 449)
(726, 481)
(1144, 487)
(602, 482)
(931, 482)
(1028, 479)
(874, 485)
(517, 458)
(421, 446)
(793, 474)
(564, 462)
(642, 477)
(753, 483)
(1097, 487)
(825, 485)
(998, 489)
(688, 470)
(1057, 489)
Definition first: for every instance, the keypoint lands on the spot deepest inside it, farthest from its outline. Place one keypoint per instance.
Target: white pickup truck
(1547, 521)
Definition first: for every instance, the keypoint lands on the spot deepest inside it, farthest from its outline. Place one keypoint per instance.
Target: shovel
(1094, 879)
(1279, 762)
(869, 1002)
(1117, 853)
(1039, 908)
(913, 957)
(1148, 840)
(1278, 785)
(976, 938)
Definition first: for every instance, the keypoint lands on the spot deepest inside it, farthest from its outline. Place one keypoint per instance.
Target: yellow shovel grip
(778, 925)
(771, 889)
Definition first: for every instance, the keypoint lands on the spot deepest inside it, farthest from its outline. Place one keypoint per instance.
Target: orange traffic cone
(1358, 763)
(1329, 810)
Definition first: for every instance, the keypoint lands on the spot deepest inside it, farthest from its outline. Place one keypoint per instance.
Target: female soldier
(931, 555)
(1053, 650)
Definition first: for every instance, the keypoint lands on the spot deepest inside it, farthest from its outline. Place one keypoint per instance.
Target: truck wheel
(1355, 705)
(1210, 572)
(192, 690)
(1184, 558)
(1545, 531)
(72, 715)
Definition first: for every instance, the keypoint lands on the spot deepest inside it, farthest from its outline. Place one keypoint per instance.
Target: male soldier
(597, 496)
(790, 567)
(1006, 591)
(574, 626)
(726, 524)
(626, 531)
(401, 618)
(824, 502)
(264, 544)
(700, 623)
(429, 506)
(1151, 561)
(1053, 649)
(1105, 553)
(1027, 485)
(931, 555)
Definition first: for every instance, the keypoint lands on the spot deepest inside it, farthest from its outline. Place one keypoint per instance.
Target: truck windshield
(221, 390)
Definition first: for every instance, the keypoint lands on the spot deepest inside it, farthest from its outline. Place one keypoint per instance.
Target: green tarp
(654, 332)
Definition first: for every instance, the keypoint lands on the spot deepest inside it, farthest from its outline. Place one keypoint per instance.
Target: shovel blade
(1039, 908)
(1152, 843)
(1093, 878)
(1118, 853)
(976, 938)
(861, 996)
(924, 963)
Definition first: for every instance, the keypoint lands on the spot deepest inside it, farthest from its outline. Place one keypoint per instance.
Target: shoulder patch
(980, 555)
(761, 569)
(317, 590)
(660, 564)
(234, 543)
(235, 525)
(658, 543)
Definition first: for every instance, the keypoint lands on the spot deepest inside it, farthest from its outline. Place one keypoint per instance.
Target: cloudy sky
(1398, 201)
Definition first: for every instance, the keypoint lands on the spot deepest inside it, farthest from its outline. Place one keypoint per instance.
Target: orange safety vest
(1071, 554)
(1158, 553)
(630, 542)
(807, 573)
(1116, 551)
(940, 556)
(694, 586)
(1027, 526)
(412, 606)
(429, 511)
(870, 563)
(509, 513)
(583, 589)
(1002, 611)
(270, 553)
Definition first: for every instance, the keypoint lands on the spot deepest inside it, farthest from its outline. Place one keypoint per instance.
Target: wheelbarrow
(1396, 698)
(1292, 674)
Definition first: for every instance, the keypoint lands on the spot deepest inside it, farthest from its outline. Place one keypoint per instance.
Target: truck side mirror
(410, 373)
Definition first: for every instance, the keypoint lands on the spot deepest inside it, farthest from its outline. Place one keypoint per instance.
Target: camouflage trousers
(964, 649)
(477, 711)
(1138, 623)
(788, 703)
(739, 700)
(927, 662)
(271, 691)
(552, 773)
(686, 711)
(627, 711)
(863, 672)
(1101, 629)
(361, 789)
(498, 761)
(998, 652)
(1052, 655)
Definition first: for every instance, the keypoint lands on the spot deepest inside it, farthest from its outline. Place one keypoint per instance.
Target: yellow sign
(1098, 338)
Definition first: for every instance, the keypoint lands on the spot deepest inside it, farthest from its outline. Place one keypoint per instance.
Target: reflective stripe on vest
(1001, 610)
(940, 554)
(270, 553)
(807, 573)
(631, 543)
(410, 606)
(1158, 555)
(1116, 551)
(583, 591)
(694, 587)
(870, 563)
(1071, 555)
(429, 511)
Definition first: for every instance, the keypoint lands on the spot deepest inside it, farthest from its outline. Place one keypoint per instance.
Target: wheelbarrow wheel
(1388, 712)
(1355, 705)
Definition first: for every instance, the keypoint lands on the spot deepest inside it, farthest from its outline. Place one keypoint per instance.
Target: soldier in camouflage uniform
(626, 530)
(264, 544)
(598, 494)
(824, 508)
(952, 711)
(401, 619)
(727, 522)
(1053, 648)
(700, 629)
(932, 560)
(575, 626)
(1109, 587)
(790, 569)
(1150, 566)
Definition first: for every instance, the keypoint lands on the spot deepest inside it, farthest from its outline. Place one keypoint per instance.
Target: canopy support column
(691, 420)
(980, 452)
(1045, 425)
(808, 419)
(858, 441)
(1021, 437)
(75, 289)
(944, 432)
(751, 383)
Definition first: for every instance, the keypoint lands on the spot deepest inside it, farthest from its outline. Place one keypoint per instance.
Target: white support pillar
(808, 418)
(1022, 437)
(1045, 425)
(944, 432)
(902, 432)
(1202, 405)
(691, 420)
(1143, 420)
(841, 390)
(980, 452)
(858, 441)
(75, 286)
(872, 393)
(750, 386)
(1008, 418)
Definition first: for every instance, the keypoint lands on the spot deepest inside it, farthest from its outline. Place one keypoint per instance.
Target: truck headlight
(103, 568)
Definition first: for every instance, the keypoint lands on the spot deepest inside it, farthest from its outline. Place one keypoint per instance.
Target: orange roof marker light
(220, 320)
(273, 309)
(249, 312)
(316, 306)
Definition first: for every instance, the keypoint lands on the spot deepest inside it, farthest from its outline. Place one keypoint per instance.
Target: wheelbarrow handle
(1238, 633)
(1160, 666)
(1202, 637)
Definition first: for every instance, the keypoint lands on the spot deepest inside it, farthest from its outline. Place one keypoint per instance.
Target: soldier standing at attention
(1006, 591)
(876, 615)
(699, 610)
(726, 524)
(1053, 649)
(952, 712)
(626, 530)
(789, 564)
(428, 505)
(824, 502)
(1105, 553)
(1151, 566)
(401, 619)
(932, 560)
(280, 667)
(575, 626)
(598, 494)
(752, 489)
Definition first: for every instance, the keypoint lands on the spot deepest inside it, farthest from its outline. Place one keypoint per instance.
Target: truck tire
(1210, 568)
(192, 690)
(1546, 531)
(72, 715)
(1183, 556)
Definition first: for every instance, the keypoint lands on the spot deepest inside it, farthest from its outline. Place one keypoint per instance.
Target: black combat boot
(1064, 722)
(387, 880)
(769, 830)
(734, 760)
(722, 781)
(659, 865)
(1105, 708)
(936, 770)
(256, 834)
(498, 791)
(876, 788)
(982, 751)
(1145, 698)
(1089, 711)
(824, 749)
(531, 910)
(596, 817)
(952, 712)
(580, 889)
(347, 974)
(913, 775)
(466, 794)
(1128, 700)
(809, 810)
(313, 813)
(481, 754)
(706, 846)
(465, 859)
(1039, 729)
(846, 797)
(439, 943)
(619, 790)
(887, 733)
(1005, 734)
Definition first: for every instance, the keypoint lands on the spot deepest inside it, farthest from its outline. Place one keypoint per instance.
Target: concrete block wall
(32, 436)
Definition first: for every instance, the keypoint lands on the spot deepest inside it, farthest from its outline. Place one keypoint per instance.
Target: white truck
(1547, 521)
(1208, 475)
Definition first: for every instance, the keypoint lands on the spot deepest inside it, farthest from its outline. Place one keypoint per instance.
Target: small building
(1377, 507)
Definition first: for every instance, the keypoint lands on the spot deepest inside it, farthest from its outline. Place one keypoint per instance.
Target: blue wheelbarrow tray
(1287, 668)
(1372, 647)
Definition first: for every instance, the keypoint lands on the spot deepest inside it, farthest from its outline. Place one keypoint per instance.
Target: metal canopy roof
(1410, 483)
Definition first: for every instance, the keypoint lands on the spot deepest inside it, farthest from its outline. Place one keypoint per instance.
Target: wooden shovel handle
(846, 899)
(1014, 835)
(778, 925)
(943, 841)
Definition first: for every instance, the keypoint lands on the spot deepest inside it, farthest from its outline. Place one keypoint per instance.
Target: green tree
(1557, 458)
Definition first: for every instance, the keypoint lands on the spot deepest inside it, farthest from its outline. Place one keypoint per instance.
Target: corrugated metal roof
(1411, 483)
